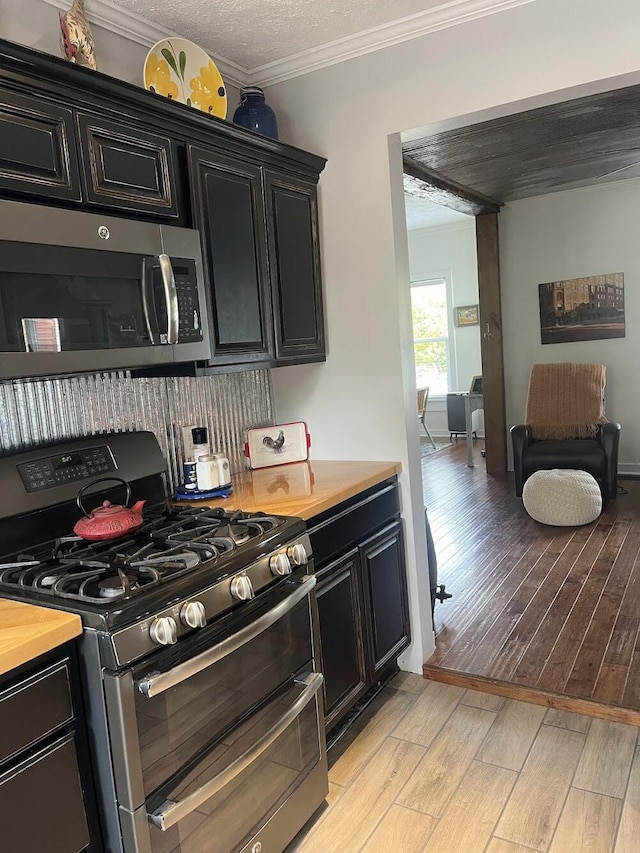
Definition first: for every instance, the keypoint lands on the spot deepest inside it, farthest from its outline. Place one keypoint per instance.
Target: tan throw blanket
(566, 400)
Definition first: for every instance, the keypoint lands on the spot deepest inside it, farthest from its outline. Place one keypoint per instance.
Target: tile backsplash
(47, 410)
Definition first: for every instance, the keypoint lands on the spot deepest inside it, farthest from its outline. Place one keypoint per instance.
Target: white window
(431, 335)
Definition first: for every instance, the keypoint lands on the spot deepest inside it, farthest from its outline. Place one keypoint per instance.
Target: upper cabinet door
(37, 148)
(294, 262)
(228, 211)
(127, 168)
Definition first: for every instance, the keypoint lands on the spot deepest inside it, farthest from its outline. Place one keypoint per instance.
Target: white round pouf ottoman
(562, 497)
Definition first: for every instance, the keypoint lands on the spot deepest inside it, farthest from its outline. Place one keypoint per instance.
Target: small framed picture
(466, 315)
(476, 385)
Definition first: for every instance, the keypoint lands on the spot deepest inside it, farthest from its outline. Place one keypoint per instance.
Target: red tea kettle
(109, 521)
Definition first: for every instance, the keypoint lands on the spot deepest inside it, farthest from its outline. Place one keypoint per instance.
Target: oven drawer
(41, 803)
(242, 783)
(166, 713)
(33, 708)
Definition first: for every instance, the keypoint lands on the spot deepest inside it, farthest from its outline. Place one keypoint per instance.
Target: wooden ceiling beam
(448, 193)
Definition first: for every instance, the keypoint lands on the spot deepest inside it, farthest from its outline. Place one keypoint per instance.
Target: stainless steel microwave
(81, 292)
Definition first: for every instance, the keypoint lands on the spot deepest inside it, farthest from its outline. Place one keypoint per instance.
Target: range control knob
(193, 614)
(241, 588)
(297, 554)
(163, 631)
(280, 565)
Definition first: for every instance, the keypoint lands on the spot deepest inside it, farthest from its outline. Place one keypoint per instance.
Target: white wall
(569, 235)
(35, 24)
(361, 404)
(450, 250)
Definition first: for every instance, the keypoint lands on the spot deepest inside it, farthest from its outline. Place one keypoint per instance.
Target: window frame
(439, 277)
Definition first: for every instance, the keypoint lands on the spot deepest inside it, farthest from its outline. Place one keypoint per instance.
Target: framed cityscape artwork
(582, 309)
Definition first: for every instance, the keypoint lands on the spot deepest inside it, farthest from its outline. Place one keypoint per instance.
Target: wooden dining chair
(423, 397)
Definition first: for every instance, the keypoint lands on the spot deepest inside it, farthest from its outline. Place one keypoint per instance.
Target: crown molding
(129, 25)
(132, 26)
(404, 29)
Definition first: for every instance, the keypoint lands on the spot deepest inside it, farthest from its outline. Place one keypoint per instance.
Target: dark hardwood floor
(550, 615)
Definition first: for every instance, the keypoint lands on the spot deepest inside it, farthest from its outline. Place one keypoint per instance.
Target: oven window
(178, 725)
(234, 814)
(60, 299)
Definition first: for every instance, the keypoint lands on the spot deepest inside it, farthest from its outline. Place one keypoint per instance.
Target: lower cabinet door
(385, 595)
(341, 638)
(41, 803)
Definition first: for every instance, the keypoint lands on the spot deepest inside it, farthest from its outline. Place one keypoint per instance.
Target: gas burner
(113, 587)
(100, 584)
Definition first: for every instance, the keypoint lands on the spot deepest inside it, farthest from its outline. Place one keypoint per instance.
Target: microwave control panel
(188, 309)
(66, 468)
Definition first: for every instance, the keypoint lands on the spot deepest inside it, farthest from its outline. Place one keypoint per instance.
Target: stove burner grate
(170, 543)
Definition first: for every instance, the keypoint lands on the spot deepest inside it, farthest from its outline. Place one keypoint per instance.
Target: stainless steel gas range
(198, 655)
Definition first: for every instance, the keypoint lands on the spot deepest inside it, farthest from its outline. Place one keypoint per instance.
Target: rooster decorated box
(277, 445)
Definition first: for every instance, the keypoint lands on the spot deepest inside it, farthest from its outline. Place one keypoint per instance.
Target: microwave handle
(171, 298)
(148, 307)
(157, 682)
(170, 812)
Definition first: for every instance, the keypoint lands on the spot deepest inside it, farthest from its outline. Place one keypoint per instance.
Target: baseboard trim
(588, 707)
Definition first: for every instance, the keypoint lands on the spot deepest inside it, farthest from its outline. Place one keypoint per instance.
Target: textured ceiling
(252, 34)
(422, 213)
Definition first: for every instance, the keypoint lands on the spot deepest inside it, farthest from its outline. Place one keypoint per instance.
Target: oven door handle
(171, 811)
(158, 682)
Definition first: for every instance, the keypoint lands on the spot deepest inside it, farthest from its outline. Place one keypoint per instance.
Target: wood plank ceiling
(576, 143)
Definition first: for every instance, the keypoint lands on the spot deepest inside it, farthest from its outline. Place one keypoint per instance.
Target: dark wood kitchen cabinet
(126, 168)
(294, 265)
(70, 136)
(229, 212)
(386, 606)
(38, 154)
(260, 245)
(44, 793)
(339, 597)
(362, 596)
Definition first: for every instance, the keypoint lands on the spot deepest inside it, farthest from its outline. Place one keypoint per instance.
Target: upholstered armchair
(566, 427)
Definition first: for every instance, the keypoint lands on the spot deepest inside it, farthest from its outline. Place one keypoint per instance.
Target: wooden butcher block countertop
(27, 631)
(304, 489)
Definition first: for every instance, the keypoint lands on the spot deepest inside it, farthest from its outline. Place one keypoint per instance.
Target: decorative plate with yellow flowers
(182, 71)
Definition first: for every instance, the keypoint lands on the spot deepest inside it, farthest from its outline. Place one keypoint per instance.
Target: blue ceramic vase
(254, 114)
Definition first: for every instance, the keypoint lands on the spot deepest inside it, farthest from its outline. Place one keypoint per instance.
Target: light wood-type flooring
(436, 768)
(539, 613)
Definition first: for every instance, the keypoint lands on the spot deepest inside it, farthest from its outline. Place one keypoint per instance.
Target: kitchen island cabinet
(352, 511)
